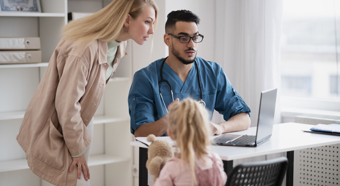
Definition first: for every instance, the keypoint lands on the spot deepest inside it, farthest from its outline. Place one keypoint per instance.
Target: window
(310, 49)
(334, 85)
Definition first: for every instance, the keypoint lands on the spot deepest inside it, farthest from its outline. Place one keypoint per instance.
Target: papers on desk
(145, 142)
(332, 129)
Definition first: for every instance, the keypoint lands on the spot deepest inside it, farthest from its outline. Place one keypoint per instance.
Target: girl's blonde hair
(189, 126)
(107, 23)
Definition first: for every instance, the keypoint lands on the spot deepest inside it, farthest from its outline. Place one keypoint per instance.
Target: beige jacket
(54, 125)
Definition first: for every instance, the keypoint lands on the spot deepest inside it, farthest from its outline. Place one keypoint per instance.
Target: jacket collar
(102, 51)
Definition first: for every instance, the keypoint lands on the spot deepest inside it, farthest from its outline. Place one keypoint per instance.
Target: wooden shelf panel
(21, 164)
(31, 14)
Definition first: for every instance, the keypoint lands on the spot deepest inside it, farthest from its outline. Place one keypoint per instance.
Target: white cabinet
(111, 153)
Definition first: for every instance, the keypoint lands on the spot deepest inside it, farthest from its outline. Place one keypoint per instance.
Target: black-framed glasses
(186, 39)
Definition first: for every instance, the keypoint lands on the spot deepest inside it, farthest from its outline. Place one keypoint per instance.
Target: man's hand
(171, 104)
(216, 129)
(158, 128)
(81, 165)
(169, 107)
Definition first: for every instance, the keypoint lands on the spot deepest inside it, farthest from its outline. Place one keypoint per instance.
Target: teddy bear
(159, 152)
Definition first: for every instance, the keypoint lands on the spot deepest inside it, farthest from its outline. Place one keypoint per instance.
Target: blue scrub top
(146, 105)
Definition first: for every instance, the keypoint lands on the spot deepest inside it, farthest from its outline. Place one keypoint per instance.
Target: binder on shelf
(77, 15)
(19, 43)
(20, 57)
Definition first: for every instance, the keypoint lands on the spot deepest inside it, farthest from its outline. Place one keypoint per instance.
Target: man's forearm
(238, 122)
(157, 128)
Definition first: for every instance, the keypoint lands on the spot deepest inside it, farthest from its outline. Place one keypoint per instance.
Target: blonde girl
(57, 127)
(194, 164)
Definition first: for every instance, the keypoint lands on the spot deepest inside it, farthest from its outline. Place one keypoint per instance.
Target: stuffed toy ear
(151, 138)
(159, 152)
(155, 166)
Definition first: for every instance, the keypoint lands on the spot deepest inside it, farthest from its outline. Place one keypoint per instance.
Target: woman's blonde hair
(189, 126)
(107, 23)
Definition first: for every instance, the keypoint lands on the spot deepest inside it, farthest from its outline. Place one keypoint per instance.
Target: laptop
(264, 125)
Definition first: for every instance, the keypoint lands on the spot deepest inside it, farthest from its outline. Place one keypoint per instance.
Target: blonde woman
(57, 127)
(195, 164)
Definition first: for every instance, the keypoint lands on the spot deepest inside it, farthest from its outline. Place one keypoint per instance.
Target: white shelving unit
(111, 154)
(31, 14)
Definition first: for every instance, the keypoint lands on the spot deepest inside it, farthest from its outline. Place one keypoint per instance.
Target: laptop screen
(266, 114)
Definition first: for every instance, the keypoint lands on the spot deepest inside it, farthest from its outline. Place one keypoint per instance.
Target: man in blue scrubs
(186, 75)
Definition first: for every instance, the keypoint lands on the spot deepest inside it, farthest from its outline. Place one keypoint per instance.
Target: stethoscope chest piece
(201, 102)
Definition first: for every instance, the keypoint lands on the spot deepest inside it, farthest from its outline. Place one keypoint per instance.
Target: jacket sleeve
(71, 87)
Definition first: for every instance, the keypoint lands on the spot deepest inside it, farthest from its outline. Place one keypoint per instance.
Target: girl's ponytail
(189, 126)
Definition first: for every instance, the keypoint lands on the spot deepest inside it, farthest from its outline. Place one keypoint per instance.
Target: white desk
(286, 137)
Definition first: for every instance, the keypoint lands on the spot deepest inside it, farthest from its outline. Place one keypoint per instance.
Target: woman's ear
(127, 20)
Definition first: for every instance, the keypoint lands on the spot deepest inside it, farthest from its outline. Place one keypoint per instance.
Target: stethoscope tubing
(167, 82)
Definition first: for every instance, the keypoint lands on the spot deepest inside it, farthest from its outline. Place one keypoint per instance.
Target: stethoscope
(172, 94)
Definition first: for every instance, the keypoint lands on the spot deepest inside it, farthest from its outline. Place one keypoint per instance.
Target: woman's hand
(81, 165)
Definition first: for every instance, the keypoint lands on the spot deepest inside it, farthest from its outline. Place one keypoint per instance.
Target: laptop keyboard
(244, 140)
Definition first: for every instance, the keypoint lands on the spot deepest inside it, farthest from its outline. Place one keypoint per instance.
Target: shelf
(12, 115)
(21, 164)
(119, 79)
(108, 119)
(111, 119)
(97, 119)
(31, 14)
(103, 159)
(13, 165)
(24, 65)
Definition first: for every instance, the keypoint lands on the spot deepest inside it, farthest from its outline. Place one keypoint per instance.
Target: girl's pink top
(209, 172)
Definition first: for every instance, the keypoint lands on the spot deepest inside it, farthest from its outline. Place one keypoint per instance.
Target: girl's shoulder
(215, 156)
(174, 160)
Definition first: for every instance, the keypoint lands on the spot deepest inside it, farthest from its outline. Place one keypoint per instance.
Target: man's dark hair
(180, 15)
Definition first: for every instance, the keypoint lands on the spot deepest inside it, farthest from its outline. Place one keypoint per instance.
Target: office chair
(264, 173)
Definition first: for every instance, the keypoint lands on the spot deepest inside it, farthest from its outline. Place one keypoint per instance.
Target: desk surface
(285, 137)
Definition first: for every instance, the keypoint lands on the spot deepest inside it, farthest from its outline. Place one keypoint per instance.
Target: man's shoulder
(151, 67)
(205, 62)
(148, 72)
(206, 65)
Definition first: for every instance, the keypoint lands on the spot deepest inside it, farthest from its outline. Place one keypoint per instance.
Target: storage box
(77, 15)
(15, 57)
(19, 43)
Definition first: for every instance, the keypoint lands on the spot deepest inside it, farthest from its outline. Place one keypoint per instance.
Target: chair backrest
(268, 173)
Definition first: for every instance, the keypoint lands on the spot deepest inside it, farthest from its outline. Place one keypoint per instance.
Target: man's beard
(176, 54)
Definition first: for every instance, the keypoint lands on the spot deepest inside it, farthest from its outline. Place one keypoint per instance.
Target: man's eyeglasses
(186, 39)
